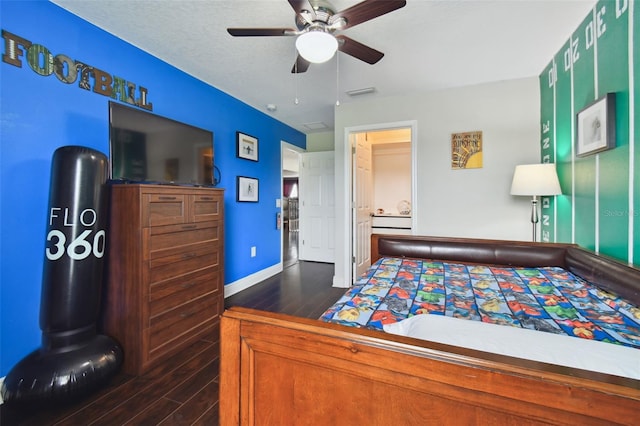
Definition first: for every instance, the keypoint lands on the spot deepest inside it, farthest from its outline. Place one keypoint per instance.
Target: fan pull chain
(337, 79)
(296, 100)
(296, 77)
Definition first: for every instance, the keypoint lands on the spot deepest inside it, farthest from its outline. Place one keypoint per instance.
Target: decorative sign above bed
(68, 71)
(466, 150)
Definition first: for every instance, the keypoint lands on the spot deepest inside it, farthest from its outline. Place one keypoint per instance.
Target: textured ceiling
(428, 45)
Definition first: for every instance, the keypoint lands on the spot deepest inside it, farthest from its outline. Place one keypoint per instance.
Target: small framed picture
(596, 126)
(246, 146)
(247, 189)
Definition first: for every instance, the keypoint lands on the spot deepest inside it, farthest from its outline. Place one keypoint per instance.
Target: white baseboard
(339, 282)
(250, 280)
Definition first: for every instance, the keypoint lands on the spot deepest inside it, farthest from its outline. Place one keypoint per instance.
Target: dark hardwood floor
(184, 390)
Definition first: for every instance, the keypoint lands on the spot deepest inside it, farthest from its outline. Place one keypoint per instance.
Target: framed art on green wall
(596, 126)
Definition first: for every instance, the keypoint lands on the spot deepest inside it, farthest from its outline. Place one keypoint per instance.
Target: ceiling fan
(316, 23)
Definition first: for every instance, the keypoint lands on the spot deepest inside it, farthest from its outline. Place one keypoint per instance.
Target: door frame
(347, 239)
(285, 145)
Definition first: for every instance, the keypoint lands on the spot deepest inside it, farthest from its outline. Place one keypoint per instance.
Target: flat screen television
(148, 148)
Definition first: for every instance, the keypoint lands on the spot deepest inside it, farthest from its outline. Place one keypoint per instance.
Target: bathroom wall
(391, 175)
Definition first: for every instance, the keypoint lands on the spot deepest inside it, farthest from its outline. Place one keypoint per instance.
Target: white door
(363, 203)
(317, 207)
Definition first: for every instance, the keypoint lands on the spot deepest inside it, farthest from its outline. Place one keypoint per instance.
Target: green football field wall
(598, 208)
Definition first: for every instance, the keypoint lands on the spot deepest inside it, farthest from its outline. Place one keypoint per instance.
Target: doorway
(382, 187)
(289, 215)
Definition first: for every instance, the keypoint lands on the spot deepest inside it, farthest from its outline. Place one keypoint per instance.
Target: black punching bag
(74, 360)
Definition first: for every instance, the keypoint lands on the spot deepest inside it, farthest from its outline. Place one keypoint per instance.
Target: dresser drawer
(168, 294)
(166, 240)
(180, 321)
(187, 259)
(205, 207)
(164, 209)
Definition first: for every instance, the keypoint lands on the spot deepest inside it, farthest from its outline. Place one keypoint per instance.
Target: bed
(277, 369)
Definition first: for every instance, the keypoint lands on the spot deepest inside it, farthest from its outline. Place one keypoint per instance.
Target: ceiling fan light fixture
(317, 46)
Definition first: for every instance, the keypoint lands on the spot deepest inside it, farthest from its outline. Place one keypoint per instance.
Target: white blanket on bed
(522, 343)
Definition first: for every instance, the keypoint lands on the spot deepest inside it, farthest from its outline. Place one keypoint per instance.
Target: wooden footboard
(282, 370)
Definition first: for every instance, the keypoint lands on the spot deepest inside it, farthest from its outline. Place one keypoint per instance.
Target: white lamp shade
(535, 179)
(316, 46)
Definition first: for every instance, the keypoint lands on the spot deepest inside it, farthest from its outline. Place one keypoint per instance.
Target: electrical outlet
(253, 251)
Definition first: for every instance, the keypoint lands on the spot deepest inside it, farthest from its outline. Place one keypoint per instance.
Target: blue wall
(41, 113)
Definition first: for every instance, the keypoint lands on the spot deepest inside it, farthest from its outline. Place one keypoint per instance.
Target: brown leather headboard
(494, 252)
(606, 273)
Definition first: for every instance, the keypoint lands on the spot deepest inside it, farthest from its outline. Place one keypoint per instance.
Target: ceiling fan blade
(366, 10)
(358, 50)
(260, 32)
(301, 65)
(300, 6)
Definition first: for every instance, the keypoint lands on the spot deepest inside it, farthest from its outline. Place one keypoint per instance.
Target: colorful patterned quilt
(548, 299)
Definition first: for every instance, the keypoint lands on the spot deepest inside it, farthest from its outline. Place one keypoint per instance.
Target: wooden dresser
(165, 278)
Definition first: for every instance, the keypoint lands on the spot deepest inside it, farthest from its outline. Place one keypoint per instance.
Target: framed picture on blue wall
(246, 146)
(247, 189)
(596, 126)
